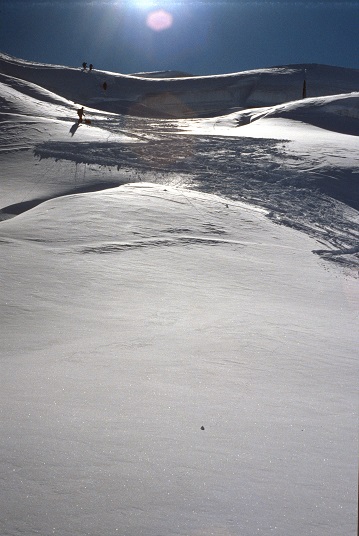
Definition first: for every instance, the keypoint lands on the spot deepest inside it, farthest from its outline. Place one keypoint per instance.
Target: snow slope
(307, 162)
(184, 96)
(173, 361)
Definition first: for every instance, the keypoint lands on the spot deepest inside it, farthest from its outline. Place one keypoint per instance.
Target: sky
(200, 37)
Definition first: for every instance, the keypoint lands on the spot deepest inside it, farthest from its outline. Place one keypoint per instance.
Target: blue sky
(200, 37)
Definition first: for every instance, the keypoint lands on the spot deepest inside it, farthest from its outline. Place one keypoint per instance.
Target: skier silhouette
(80, 113)
(104, 85)
(91, 67)
(84, 65)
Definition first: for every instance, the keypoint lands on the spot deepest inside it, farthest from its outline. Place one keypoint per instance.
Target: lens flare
(159, 20)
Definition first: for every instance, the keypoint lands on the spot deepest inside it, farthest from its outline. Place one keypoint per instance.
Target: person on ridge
(80, 113)
(84, 65)
(91, 67)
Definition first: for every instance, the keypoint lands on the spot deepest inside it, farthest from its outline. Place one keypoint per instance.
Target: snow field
(173, 361)
(137, 333)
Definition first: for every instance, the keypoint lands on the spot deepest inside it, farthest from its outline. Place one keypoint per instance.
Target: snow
(173, 360)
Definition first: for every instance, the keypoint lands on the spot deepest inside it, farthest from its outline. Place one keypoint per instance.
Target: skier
(84, 65)
(91, 67)
(80, 113)
(104, 85)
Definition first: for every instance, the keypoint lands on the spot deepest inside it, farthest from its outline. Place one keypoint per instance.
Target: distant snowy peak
(170, 94)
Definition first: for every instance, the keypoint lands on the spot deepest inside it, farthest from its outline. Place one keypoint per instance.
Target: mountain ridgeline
(181, 96)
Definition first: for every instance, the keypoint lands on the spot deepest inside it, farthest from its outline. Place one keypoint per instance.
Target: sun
(149, 4)
(145, 4)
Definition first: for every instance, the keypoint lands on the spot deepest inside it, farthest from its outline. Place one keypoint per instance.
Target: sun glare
(159, 20)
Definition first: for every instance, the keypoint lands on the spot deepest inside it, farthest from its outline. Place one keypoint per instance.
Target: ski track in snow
(262, 172)
(312, 189)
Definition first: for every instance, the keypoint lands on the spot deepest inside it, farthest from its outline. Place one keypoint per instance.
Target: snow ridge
(297, 159)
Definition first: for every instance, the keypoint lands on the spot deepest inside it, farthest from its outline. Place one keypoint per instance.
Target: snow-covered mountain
(307, 162)
(182, 96)
(174, 361)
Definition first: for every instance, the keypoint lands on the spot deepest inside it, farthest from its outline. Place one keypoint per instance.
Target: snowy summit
(179, 301)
